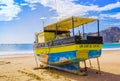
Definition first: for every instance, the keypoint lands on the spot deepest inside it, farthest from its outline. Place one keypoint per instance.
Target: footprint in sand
(3, 62)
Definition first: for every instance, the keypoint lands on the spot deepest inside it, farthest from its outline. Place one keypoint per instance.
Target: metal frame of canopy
(70, 23)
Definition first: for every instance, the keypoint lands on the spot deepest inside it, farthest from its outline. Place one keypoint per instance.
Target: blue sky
(20, 19)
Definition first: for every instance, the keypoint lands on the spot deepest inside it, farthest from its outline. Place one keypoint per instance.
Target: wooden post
(90, 63)
(85, 65)
(98, 65)
(36, 60)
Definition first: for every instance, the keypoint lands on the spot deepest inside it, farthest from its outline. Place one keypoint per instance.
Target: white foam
(16, 53)
(110, 49)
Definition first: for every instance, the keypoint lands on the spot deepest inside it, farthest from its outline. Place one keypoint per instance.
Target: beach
(20, 68)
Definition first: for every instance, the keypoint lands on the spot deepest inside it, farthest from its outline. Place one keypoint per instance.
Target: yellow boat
(58, 48)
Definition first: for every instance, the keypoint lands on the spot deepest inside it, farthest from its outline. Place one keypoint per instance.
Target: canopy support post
(73, 26)
(83, 31)
(56, 31)
(98, 28)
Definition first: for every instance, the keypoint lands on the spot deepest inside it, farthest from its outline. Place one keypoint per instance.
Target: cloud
(32, 6)
(109, 7)
(66, 8)
(23, 4)
(32, 3)
(63, 8)
(8, 10)
(115, 16)
(96, 17)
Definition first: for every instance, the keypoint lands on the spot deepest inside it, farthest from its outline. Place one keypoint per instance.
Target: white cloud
(32, 3)
(32, 6)
(115, 16)
(96, 17)
(109, 7)
(23, 4)
(8, 10)
(66, 8)
(43, 18)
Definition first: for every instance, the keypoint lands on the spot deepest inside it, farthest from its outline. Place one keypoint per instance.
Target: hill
(110, 35)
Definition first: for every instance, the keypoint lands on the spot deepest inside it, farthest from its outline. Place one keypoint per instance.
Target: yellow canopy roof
(66, 24)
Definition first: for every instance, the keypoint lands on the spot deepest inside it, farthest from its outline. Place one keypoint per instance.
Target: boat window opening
(36, 38)
(62, 36)
(79, 34)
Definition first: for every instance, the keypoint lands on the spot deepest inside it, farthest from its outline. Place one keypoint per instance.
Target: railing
(70, 40)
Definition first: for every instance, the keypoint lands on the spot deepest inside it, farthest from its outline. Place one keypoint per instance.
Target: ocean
(9, 50)
(111, 46)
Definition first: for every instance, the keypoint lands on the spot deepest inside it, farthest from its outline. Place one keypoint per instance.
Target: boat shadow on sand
(93, 75)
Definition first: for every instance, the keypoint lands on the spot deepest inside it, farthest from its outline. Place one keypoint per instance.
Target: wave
(16, 53)
(110, 49)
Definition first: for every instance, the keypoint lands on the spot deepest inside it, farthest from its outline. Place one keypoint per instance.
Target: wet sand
(21, 69)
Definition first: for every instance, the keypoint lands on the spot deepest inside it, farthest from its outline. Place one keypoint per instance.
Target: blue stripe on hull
(94, 53)
(55, 57)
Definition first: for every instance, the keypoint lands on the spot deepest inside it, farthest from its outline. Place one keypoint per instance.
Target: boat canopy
(69, 23)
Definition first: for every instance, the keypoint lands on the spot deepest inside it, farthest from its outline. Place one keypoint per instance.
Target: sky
(20, 19)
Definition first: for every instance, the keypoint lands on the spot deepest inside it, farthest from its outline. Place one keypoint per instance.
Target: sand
(21, 69)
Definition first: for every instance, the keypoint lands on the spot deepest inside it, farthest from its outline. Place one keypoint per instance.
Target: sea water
(7, 50)
(111, 46)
